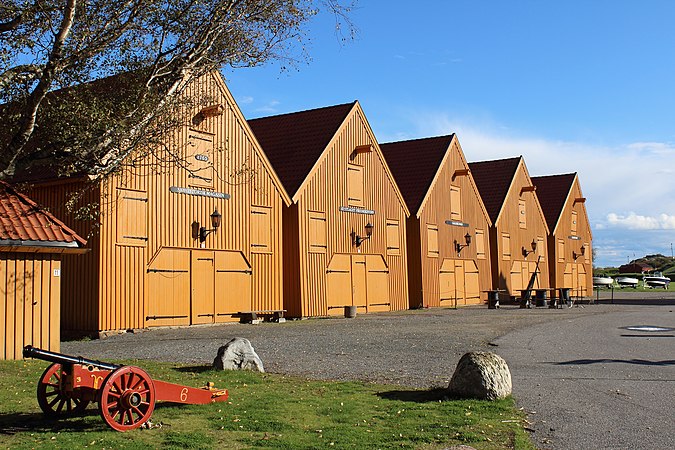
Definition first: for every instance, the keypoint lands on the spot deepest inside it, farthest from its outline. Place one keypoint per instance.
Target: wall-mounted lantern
(582, 251)
(215, 223)
(459, 247)
(534, 248)
(358, 240)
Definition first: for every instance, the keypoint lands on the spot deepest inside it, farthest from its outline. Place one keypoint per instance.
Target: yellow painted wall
(435, 211)
(142, 214)
(29, 302)
(506, 269)
(580, 279)
(325, 192)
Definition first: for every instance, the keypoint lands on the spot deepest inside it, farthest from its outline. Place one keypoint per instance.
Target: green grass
(267, 411)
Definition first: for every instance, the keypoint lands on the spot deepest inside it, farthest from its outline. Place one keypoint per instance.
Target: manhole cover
(649, 328)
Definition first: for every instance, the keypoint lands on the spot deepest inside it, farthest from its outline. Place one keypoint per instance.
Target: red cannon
(126, 395)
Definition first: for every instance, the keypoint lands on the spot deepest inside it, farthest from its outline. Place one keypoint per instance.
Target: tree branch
(28, 118)
(24, 73)
(12, 24)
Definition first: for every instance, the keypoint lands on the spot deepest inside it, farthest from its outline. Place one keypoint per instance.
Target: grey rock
(238, 354)
(481, 375)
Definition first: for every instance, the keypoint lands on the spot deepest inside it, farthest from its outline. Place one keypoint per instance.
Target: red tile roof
(552, 191)
(414, 164)
(493, 179)
(293, 142)
(24, 223)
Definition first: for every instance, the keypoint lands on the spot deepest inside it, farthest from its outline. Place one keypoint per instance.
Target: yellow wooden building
(519, 232)
(193, 241)
(448, 228)
(570, 242)
(32, 242)
(344, 233)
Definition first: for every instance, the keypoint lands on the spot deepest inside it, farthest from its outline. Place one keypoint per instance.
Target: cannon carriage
(126, 395)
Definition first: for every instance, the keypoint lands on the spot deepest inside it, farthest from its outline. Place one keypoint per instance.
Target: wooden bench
(493, 298)
(276, 315)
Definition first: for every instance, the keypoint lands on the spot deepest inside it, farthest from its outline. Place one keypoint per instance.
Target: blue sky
(575, 86)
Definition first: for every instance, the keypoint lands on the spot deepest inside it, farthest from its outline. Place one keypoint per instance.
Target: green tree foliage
(48, 46)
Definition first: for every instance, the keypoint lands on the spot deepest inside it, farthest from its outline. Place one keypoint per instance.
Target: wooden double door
(575, 277)
(458, 282)
(357, 280)
(521, 272)
(188, 287)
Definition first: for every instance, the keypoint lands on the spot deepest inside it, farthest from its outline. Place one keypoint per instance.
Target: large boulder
(238, 354)
(481, 375)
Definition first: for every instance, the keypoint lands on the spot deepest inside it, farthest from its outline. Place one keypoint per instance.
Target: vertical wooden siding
(436, 211)
(558, 262)
(80, 305)
(326, 191)
(29, 304)
(238, 172)
(509, 222)
(115, 297)
(292, 269)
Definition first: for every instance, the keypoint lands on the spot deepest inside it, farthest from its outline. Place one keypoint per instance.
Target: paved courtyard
(588, 376)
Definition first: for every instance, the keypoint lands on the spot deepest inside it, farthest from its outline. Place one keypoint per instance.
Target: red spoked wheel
(54, 401)
(127, 398)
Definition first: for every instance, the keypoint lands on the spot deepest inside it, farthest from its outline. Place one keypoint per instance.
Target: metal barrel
(33, 352)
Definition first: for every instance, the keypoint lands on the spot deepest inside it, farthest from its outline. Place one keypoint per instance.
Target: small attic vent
(528, 189)
(207, 112)
(361, 149)
(460, 173)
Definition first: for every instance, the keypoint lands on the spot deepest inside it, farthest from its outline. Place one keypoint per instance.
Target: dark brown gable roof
(24, 224)
(552, 191)
(493, 179)
(414, 164)
(293, 142)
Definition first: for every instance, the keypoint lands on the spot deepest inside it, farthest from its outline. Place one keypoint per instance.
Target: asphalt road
(600, 381)
(586, 379)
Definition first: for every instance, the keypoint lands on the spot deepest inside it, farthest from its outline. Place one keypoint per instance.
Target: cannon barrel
(33, 352)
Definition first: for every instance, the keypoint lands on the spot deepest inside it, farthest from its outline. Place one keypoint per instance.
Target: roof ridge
(351, 104)
(496, 160)
(556, 175)
(430, 138)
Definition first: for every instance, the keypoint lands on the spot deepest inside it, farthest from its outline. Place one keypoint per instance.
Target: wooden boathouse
(193, 241)
(518, 234)
(570, 242)
(448, 228)
(344, 233)
(32, 242)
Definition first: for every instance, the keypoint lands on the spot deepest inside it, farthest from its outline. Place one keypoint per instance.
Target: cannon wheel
(54, 401)
(127, 398)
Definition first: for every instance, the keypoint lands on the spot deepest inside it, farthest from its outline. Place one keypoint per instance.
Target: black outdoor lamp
(358, 240)
(582, 251)
(459, 247)
(534, 248)
(215, 223)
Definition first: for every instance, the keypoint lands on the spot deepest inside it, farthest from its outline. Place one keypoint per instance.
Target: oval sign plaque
(204, 158)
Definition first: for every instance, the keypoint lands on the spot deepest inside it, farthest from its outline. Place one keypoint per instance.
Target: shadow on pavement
(640, 362)
(637, 301)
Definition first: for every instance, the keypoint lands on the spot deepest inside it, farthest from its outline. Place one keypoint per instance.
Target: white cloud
(653, 147)
(269, 108)
(245, 100)
(639, 222)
